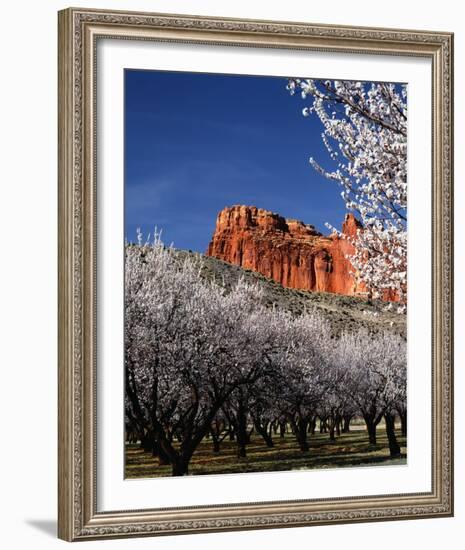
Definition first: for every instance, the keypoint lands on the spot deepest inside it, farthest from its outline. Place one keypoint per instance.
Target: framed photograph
(255, 274)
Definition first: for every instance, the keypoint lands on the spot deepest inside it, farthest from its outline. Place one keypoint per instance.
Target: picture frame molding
(79, 31)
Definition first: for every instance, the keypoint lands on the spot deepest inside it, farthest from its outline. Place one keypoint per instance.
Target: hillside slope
(343, 312)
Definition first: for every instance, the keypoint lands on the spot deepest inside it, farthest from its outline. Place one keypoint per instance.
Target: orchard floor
(348, 450)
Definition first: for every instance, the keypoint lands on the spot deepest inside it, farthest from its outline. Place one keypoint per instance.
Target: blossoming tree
(203, 362)
(302, 369)
(188, 347)
(365, 134)
(375, 379)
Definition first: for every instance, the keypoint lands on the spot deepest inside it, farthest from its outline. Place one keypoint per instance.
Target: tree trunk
(331, 431)
(312, 426)
(146, 442)
(231, 432)
(300, 430)
(241, 447)
(240, 427)
(216, 445)
(371, 428)
(157, 450)
(264, 433)
(394, 447)
(338, 425)
(180, 467)
(282, 429)
(215, 431)
(403, 422)
(163, 458)
(303, 443)
(241, 437)
(346, 423)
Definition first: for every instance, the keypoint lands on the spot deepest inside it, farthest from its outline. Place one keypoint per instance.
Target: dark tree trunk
(331, 431)
(312, 426)
(264, 433)
(394, 447)
(241, 447)
(346, 423)
(146, 442)
(300, 430)
(180, 467)
(216, 445)
(163, 458)
(267, 439)
(217, 428)
(282, 429)
(242, 437)
(231, 432)
(180, 459)
(338, 425)
(403, 422)
(371, 428)
(157, 450)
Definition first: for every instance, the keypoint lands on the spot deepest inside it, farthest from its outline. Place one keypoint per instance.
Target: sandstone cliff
(292, 253)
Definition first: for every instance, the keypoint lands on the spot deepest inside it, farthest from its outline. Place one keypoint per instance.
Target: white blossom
(365, 130)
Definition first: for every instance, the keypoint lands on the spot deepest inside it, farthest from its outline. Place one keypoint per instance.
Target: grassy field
(350, 449)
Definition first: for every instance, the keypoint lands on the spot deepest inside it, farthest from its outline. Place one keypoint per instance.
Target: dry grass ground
(349, 450)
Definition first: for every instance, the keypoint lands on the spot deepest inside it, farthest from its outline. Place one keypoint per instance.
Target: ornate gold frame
(78, 32)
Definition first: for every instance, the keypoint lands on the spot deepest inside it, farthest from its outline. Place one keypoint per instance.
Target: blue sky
(195, 143)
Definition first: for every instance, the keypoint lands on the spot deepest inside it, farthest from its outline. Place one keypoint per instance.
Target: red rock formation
(288, 251)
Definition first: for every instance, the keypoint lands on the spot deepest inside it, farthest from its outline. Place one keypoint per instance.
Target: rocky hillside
(343, 312)
(291, 252)
(288, 251)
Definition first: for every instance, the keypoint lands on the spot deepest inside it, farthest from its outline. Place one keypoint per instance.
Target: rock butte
(291, 252)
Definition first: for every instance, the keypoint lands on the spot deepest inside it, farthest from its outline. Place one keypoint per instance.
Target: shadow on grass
(348, 450)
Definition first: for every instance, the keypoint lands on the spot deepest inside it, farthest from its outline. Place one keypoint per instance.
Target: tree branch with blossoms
(365, 134)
